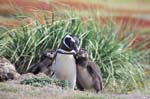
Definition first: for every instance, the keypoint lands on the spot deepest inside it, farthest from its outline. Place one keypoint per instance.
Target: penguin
(88, 73)
(65, 65)
(44, 65)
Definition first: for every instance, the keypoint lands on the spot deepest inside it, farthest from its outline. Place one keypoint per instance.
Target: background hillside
(131, 14)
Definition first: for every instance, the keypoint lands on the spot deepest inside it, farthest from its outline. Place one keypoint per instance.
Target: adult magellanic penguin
(65, 65)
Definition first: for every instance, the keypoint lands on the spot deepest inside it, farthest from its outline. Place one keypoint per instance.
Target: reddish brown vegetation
(15, 23)
(26, 5)
(132, 21)
(139, 23)
(79, 5)
(29, 7)
(82, 5)
(141, 42)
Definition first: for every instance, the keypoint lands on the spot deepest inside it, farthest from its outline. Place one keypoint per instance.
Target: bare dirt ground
(13, 90)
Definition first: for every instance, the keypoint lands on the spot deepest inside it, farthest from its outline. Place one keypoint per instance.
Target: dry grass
(121, 11)
(16, 91)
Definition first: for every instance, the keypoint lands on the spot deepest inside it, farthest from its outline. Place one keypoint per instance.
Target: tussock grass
(120, 66)
(40, 82)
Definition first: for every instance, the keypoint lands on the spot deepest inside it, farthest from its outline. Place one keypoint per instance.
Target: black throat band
(67, 53)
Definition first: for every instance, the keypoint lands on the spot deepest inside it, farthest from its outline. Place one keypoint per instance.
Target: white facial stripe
(72, 39)
(68, 36)
(65, 44)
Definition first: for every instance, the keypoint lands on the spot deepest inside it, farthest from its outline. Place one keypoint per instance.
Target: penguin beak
(74, 47)
(77, 49)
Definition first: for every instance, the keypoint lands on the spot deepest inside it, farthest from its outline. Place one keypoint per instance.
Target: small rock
(7, 70)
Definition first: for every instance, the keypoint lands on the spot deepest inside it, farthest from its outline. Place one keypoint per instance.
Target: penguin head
(70, 43)
(47, 54)
(82, 58)
(82, 53)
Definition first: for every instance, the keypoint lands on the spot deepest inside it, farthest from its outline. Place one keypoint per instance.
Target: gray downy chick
(44, 65)
(88, 73)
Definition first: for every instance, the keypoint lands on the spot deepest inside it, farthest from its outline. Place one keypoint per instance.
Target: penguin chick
(88, 73)
(45, 64)
(64, 65)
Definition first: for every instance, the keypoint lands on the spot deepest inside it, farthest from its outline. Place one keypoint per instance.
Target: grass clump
(40, 82)
(37, 81)
(120, 65)
(22, 46)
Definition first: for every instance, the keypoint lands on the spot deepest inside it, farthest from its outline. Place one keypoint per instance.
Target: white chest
(65, 67)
